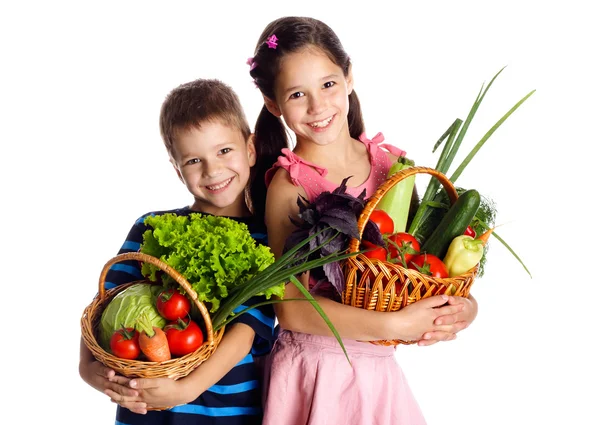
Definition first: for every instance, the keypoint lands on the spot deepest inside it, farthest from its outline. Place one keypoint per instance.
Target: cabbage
(126, 307)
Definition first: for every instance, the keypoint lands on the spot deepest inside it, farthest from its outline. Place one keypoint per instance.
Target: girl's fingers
(436, 336)
(449, 309)
(435, 301)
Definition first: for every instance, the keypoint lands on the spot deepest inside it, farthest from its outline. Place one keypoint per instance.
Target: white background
(81, 87)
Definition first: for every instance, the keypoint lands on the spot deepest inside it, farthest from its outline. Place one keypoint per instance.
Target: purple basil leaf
(373, 234)
(338, 244)
(343, 225)
(335, 276)
(295, 238)
(309, 216)
(342, 187)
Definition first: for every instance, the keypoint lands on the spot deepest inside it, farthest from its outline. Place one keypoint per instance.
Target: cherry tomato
(470, 232)
(374, 251)
(124, 343)
(407, 243)
(383, 221)
(184, 336)
(429, 264)
(172, 305)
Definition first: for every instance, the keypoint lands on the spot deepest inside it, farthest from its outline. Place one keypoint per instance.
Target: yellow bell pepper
(463, 254)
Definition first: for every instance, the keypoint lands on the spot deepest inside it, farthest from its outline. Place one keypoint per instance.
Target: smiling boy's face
(213, 161)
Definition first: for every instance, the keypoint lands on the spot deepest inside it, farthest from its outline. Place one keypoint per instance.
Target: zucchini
(396, 202)
(453, 224)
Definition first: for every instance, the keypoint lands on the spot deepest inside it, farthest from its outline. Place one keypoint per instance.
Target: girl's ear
(350, 80)
(251, 150)
(272, 106)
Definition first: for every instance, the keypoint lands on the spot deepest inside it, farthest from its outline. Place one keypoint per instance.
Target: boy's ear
(350, 80)
(272, 106)
(251, 150)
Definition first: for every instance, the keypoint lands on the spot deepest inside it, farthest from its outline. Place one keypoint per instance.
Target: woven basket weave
(176, 367)
(377, 285)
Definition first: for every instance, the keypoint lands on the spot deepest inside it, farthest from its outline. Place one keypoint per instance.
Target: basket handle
(167, 269)
(387, 185)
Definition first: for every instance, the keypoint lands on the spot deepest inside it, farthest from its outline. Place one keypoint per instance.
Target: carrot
(486, 235)
(153, 341)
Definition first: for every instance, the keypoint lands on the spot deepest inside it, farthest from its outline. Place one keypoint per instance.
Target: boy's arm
(92, 371)
(165, 392)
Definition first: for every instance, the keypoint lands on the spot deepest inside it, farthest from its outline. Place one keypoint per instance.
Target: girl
(305, 77)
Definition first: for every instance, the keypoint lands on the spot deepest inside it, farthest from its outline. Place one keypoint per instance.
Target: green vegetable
(463, 254)
(214, 254)
(396, 202)
(126, 307)
(225, 267)
(421, 224)
(453, 224)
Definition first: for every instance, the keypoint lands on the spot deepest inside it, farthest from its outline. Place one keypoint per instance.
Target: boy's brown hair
(191, 104)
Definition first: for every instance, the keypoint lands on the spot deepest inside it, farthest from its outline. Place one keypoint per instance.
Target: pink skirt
(308, 381)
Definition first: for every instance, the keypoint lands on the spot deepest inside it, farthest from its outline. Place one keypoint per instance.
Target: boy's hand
(153, 393)
(103, 378)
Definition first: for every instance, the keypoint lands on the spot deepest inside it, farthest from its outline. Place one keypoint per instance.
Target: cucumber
(453, 224)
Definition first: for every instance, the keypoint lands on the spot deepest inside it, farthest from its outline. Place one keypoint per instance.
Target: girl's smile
(321, 125)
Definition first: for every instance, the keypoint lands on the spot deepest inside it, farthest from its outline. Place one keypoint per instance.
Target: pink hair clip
(272, 42)
(251, 62)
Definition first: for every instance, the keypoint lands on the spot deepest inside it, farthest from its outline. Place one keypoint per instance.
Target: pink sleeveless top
(311, 177)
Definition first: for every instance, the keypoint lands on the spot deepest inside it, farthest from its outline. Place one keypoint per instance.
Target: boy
(211, 148)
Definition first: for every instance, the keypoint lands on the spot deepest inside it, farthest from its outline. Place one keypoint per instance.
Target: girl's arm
(410, 323)
(165, 392)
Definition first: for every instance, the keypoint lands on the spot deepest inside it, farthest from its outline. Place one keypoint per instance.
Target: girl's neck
(342, 158)
(341, 150)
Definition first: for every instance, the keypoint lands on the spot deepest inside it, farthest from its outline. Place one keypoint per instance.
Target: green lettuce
(214, 254)
(126, 307)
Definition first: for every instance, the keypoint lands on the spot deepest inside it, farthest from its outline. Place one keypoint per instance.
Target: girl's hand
(416, 321)
(459, 321)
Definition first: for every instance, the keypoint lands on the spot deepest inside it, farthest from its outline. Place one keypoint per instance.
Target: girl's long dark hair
(293, 34)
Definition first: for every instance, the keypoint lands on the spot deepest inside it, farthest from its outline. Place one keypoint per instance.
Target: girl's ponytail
(270, 138)
(356, 125)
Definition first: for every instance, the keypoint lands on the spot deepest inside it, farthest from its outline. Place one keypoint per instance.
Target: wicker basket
(175, 368)
(377, 285)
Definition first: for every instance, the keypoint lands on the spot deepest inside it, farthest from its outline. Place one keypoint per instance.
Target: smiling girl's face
(311, 94)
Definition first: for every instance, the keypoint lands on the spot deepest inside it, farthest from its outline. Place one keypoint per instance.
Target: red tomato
(184, 336)
(124, 343)
(375, 251)
(172, 305)
(407, 243)
(429, 264)
(383, 221)
(470, 232)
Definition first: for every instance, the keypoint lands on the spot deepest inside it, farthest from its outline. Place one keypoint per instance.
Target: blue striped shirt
(236, 398)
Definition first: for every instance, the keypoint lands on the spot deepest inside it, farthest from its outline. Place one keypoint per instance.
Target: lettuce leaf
(214, 254)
